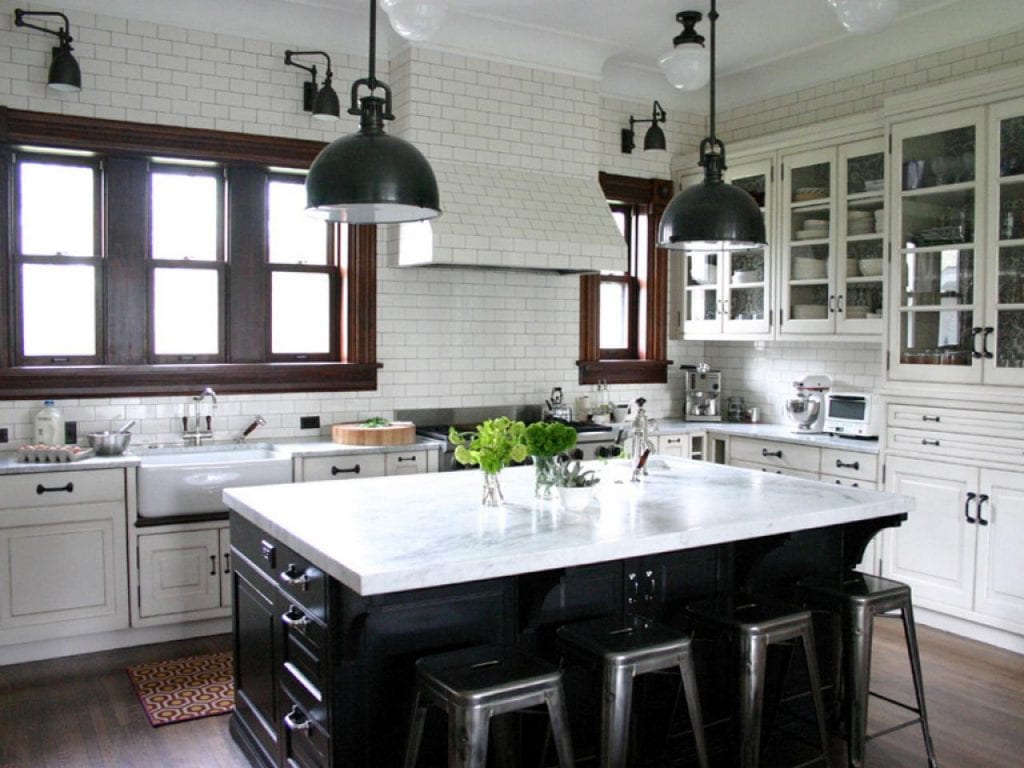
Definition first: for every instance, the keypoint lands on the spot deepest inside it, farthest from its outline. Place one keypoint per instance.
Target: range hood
(503, 218)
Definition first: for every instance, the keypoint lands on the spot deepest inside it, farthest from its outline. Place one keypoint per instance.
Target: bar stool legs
(858, 599)
(474, 684)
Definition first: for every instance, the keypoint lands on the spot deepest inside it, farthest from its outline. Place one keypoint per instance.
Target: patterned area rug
(185, 689)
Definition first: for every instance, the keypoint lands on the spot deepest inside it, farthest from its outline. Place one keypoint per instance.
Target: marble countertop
(782, 433)
(398, 533)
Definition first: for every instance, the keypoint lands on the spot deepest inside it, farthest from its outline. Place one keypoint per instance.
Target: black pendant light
(370, 177)
(64, 75)
(712, 215)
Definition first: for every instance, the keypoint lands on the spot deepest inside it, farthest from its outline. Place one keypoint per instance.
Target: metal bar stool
(473, 684)
(627, 649)
(758, 623)
(855, 601)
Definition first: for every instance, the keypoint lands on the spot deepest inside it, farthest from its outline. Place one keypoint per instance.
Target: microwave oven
(852, 414)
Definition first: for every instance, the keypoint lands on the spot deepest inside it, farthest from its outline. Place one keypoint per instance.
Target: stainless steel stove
(592, 440)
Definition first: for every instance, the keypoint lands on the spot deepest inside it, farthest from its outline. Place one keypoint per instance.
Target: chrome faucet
(198, 433)
(259, 421)
(641, 446)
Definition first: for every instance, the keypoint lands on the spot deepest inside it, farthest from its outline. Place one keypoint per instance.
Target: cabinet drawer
(972, 448)
(301, 582)
(343, 467)
(50, 489)
(850, 464)
(306, 743)
(775, 470)
(866, 484)
(304, 650)
(406, 462)
(674, 445)
(803, 458)
(961, 421)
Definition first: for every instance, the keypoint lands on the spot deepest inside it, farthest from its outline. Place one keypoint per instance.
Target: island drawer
(849, 464)
(298, 579)
(305, 644)
(803, 458)
(344, 467)
(975, 449)
(50, 489)
(306, 742)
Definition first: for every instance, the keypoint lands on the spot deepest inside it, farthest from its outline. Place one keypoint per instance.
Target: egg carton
(53, 454)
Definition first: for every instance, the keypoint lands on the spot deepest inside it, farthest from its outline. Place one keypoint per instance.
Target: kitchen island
(339, 587)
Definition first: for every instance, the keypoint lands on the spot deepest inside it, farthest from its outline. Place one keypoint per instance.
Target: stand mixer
(806, 408)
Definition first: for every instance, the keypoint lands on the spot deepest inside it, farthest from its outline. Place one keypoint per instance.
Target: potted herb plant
(575, 485)
(545, 440)
(494, 445)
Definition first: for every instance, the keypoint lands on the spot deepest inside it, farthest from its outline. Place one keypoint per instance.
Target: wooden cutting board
(397, 433)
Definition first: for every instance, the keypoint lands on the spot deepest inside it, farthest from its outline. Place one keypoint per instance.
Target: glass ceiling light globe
(416, 19)
(865, 16)
(686, 66)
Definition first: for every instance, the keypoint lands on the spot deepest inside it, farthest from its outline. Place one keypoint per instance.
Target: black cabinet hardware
(967, 507)
(268, 551)
(936, 419)
(294, 576)
(984, 343)
(775, 454)
(975, 332)
(227, 562)
(843, 465)
(296, 720)
(294, 617)
(213, 565)
(982, 498)
(925, 441)
(406, 458)
(350, 471)
(41, 489)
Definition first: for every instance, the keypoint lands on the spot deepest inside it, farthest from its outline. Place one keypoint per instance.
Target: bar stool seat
(758, 623)
(626, 650)
(855, 600)
(472, 685)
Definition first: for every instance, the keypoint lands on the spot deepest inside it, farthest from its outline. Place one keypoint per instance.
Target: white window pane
(50, 328)
(186, 311)
(56, 209)
(300, 313)
(184, 217)
(614, 315)
(294, 237)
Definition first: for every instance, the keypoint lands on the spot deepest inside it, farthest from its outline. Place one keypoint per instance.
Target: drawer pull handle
(984, 351)
(213, 565)
(975, 332)
(350, 471)
(41, 489)
(982, 498)
(406, 458)
(296, 720)
(292, 575)
(775, 454)
(926, 441)
(227, 562)
(294, 617)
(967, 507)
(936, 419)
(852, 465)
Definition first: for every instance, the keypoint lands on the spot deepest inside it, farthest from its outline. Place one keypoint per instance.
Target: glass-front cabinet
(959, 275)
(728, 293)
(833, 225)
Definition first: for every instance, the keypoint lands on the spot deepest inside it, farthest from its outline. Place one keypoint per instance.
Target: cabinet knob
(292, 575)
(296, 720)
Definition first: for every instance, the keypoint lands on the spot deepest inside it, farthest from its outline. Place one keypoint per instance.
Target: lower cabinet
(184, 573)
(686, 446)
(960, 550)
(353, 467)
(62, 543)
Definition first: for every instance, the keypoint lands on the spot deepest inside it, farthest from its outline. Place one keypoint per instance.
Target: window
(623, 314)
(153, 260)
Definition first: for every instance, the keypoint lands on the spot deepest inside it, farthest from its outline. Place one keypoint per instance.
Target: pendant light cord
(712, 17)
(372, 79)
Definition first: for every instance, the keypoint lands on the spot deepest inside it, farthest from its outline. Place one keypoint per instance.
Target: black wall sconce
(64, 75)
(322, 102)
(653, 139)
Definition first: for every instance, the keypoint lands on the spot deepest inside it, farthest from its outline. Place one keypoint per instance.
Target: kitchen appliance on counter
(593, 441)
(557, 408)
(806, 408)
(702, 393)
(852, 414)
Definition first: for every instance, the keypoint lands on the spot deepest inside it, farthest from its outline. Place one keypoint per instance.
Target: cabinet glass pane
(746, 285)
(937, 159)
(701, 285)
(1011, 146)
(701, 304)
(1009, 340)
(865, 173)
(937, 296)
(937, 278)
(864, 279)
(936, 337)
(753, 186)
(938, 219)
(1011, 210)
(811, 182)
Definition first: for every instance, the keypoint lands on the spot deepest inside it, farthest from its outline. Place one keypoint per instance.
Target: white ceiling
(765, 47)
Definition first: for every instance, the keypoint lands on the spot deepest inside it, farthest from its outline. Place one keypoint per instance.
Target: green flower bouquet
(496, 444)
(545, 440)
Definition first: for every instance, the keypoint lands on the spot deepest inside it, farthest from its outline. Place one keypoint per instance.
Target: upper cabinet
(957, 310)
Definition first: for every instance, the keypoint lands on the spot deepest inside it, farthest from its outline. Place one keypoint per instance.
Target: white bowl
(859, 214)
(575, 499)
(810, 311)
(704, 274)
(871, 267)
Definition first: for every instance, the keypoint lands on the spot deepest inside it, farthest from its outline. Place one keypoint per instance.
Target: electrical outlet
(5, 434)
(309, 422)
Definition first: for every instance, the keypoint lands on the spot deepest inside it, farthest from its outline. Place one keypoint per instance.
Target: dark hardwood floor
(81, 711)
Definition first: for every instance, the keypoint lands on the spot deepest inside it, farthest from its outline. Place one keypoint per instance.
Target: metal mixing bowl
(109, 443)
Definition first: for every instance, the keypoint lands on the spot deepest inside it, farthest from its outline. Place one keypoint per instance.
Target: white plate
(816, 234)
(746, 276)
(810, 311)
(809, 269)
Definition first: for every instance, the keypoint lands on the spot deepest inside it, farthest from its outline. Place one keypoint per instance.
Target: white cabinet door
(179, 572)
(934, 550)
(999, 592)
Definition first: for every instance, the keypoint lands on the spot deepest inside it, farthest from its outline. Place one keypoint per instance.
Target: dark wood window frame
(649, 278)
(125, 149)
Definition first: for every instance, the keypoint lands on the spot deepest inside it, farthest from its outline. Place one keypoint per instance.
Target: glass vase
(545, 476)
(492, 496)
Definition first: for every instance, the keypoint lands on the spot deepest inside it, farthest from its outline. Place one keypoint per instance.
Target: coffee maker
(806, 408)
(702, 391)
